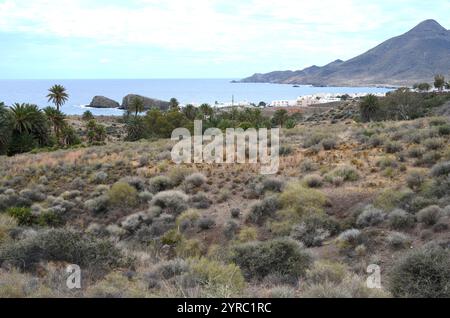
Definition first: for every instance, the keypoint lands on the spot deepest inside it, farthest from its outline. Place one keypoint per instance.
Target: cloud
(283, 33)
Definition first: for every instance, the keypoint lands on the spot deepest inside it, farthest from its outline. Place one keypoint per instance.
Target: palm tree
(439, 82)
(136, 106)
(280, 117)
(56, 118)
(369, 107)
(190, 112)
(5, 129)
(206, 110)
(174, 104)
(29, 119)
(58, 95)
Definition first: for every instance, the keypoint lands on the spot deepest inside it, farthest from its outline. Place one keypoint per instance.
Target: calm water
(187, 91)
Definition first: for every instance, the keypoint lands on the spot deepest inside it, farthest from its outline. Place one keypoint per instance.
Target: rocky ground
(347, 195)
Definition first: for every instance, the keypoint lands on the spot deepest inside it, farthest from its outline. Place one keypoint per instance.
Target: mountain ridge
(415, 56)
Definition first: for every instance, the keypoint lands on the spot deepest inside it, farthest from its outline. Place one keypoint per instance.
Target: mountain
(413, 57)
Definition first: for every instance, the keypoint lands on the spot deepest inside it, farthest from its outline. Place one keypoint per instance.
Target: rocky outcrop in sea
(148, 102)
(103, 102)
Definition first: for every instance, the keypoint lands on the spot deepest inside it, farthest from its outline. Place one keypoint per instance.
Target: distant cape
(416, 56)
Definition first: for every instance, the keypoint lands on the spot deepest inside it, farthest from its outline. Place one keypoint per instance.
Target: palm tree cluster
(24, 127)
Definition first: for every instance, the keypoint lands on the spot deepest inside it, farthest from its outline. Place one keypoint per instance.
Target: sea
(187, 91)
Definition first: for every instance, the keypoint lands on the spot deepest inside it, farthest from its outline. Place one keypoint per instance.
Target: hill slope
(415, 56)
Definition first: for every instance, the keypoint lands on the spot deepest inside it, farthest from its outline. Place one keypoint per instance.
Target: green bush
(171, 202)
(313, 181)
(346, 173)
(441, 169)
(61, 245)
(400, 220)
(314, 230)
(123, 195)
(415, 180)
(370, 216)
(281, 256)
(264, 210)
(23, 216)
(393, 147)
(430, 215)
(160, 183)
(226, 280)
(424, 273)
(302, 201)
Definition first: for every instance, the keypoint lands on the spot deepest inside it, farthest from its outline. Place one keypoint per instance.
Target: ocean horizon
(187, 91)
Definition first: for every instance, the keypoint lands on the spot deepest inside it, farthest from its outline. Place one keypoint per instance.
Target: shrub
(189, 248)
(235, 213)
(196, 180)
(376, 141)
(100, 177)
(346, 173)
(400, 220)
(200, 201)
(206, 223)
(352, 286)
(136, 182)
(178, 174)
(424, 273)
(302, 201)
(248, 234)
(98, 204)
(370, 216)
(187, 220)
(398, 240)
(145, 197)
(282, 292)
(87, 116)
(118, 285)
(441, 169)
(393, 147)
(434, 143)
(416, 152)
(172, 238)
(172, 202)
(123, 195)
(172, 268)
(326, 271)
(308, 166)
(225, 280)
(231, 229)
(264, 210)
(350, 238)
(273, 184)
(134, 221)
(329, 143)
(415, 180)
(7, 223)
(286, 151)
(430, 216)
(160, 183)
(313, 181)
(389, 198)
(281, 256)
(429, 158)
(314, 230)
(444, 130)
(60, 245)
(313, 140)
(23, 216)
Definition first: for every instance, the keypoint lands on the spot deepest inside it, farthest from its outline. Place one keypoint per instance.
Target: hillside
(413, 57)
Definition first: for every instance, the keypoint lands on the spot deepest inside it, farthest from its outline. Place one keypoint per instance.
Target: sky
(81, 39)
